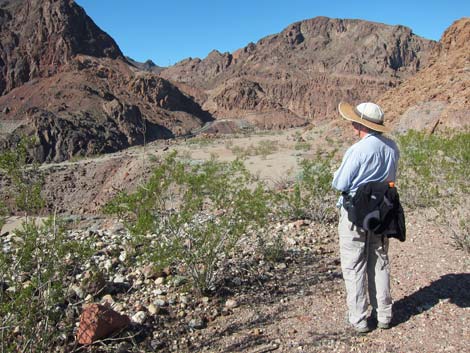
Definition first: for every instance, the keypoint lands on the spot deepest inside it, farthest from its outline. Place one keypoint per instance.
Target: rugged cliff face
(38, 37)
(67, 83)
(439, 95)
(305, 70)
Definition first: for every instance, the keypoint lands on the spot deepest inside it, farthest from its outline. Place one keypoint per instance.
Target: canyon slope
(437, 97)
(67, 83)
(301, 73)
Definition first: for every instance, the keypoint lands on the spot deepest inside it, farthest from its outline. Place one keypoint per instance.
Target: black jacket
(376, 207)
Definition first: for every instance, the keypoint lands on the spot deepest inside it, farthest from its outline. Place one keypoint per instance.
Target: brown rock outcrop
(439, 95)
(305, 70)
(67, 83)
(38, 37)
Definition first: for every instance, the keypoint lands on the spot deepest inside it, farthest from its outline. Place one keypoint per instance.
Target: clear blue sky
(171, 30)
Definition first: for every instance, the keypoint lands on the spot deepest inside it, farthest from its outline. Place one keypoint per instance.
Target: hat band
(368, 118)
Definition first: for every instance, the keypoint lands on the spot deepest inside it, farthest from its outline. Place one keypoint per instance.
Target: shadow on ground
(452, 287)
(303, 274)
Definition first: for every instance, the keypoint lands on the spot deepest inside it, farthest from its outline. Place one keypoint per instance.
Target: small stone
(159, 302)
(159, 280)
(152, 309)
(231, 303)
(139, 317)
(89, 298)
(119, 279)
(107, 299)
(78, 291)
(123, 256)
(197, 323)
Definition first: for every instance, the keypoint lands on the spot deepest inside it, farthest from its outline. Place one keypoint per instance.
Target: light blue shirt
(373, 158)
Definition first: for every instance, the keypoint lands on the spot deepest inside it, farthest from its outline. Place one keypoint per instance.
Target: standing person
(364, 255)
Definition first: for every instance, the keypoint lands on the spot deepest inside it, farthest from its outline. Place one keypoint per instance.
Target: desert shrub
(302, 146)
(34, 265)
(25, 177)
(311, 196)
(35, 274)
(264, 148)
(192, 215)
(432, 167)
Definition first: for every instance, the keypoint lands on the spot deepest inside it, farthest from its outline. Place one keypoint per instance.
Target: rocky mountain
(302, 73)
(148, 65)
(66, 82)
(439, 95)
(37, 38)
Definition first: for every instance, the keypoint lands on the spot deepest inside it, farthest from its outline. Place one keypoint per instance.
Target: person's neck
(363, 134)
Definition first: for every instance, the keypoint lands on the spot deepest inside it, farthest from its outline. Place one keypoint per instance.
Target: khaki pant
(365, 266)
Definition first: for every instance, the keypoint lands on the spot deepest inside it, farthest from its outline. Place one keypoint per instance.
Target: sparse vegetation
(264, 148)
(433, 168)
(34, 265)
(193, 215)
(311, 196)
(433, 172)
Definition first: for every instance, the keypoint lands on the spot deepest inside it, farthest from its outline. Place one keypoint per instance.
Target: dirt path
(431, 290)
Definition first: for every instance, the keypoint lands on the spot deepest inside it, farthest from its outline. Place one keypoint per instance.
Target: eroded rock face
(96, 106)
(66, 82)
(305, 70)
(38, 37)
(439, 95)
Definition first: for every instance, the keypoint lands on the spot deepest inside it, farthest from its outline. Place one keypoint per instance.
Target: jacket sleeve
(344, 176)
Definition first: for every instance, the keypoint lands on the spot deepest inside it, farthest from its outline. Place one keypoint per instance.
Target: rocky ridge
(67, 83)
(438, 96)
(302, 73)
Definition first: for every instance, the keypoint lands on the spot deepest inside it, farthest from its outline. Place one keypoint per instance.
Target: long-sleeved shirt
(373, 158)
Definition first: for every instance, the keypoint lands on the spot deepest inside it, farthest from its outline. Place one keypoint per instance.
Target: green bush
(432, 167)
(192, 215)
(35, 266)
(311, 196)
(25, 177)
(35, 274)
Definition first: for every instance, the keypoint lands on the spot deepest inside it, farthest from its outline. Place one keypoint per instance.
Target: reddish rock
(438, 96)
(302, 72)
(97, 322)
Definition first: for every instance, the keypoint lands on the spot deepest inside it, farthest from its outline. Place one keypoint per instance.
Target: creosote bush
(35, 265)
(193, 215)
(311, 196)
(433, 172)
(35, 275)
(432, 167)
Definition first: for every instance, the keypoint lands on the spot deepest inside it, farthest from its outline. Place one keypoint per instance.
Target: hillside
(301, 73)
(66, 82)
(438, 96)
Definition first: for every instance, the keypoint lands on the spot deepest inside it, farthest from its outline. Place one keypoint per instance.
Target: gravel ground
(430, 284)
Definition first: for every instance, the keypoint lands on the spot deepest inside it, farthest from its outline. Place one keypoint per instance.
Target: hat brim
(348, 112)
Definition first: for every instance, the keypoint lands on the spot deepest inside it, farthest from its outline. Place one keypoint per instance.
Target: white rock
(123, 256)
(139, 317)
(231, 303)
(152, 309)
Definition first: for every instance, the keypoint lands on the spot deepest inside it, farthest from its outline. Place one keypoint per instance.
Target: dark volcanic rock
(304, 70)
(38, 37)
(66, 82)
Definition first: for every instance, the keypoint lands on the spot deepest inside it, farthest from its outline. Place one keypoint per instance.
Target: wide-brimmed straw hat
(367, 114)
